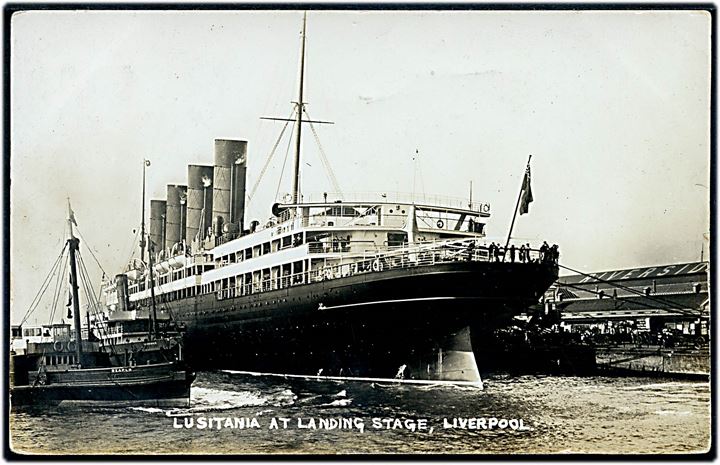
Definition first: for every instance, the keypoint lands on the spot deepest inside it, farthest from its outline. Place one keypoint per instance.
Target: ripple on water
(564, 414)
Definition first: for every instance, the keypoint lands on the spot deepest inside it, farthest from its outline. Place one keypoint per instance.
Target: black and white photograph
(254, 231)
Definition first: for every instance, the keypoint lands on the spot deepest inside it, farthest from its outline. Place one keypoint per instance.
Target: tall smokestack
(175, 215)
(229, 188)
(199, 195)
(157, 224)
(121, 281)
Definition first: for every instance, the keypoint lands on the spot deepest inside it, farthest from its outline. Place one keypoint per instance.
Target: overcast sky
(613, 106)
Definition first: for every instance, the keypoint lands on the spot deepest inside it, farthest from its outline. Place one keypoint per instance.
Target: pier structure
(651, 319)
(650, 299)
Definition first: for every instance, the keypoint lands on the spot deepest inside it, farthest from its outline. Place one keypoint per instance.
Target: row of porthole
(389, 352)
(240, 332)
(267, 303)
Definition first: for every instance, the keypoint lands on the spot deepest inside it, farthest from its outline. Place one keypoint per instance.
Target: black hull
(365, 325)
(149, 385)
(162, 393)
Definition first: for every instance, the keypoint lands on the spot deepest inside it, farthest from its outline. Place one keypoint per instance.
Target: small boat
(54, 363)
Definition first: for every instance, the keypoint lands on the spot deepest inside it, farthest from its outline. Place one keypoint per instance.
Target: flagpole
(512, 224)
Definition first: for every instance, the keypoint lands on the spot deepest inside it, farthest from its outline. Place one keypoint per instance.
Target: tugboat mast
(74, 246)
(300, 107)
(146, 163)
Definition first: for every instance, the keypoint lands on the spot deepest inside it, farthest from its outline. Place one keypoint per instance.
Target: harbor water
(229, 414)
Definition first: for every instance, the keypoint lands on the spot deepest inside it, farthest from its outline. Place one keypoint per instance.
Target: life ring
(71, 348)
(58, 346)
(440, 224)
(42, 379)
(377, 265)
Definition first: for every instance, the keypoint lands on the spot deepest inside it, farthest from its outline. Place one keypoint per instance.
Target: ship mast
(300, 106)
(300, 109)
(146, 163)
(74, 246)
(151, 251)
(153, 316)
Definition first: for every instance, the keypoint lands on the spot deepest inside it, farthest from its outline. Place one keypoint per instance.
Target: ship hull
(368, 325)
(151, 385)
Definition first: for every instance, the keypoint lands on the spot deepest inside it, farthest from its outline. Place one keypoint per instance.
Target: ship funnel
(175, 215)
(199, 200)
(157, 224)
(121, 283)
(229, 187)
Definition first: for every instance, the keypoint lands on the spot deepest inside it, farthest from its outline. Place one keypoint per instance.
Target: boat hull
(368, 325)
(151, 385)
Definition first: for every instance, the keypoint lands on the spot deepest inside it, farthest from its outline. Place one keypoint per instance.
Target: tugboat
(60, 366)
(371, 287)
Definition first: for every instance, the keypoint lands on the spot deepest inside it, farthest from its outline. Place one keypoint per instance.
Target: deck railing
(388, 259)
(394, 197)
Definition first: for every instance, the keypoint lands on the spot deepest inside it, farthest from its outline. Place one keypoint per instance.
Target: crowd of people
(558, 335)
(545, 253)
(665, 338)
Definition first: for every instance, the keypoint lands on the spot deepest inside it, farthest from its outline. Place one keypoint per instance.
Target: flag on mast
(69, 313)
(71, 213)
(526, 196)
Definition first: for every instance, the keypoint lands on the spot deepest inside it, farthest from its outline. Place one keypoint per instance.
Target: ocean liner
(376, 287)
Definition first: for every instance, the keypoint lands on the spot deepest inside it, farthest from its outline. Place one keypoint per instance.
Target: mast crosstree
(299, 110)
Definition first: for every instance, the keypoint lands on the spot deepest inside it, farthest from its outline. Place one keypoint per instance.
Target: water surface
(559, 414)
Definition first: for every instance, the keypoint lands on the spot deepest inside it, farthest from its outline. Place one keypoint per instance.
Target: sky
(613, 106)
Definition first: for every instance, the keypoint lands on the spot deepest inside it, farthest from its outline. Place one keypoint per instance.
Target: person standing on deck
(544, 249)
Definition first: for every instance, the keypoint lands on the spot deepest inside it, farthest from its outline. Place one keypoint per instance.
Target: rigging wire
(43, 287)
(282, 171)
(93, 304)
(132, 246)
(668, 303)
(58, 288)
(270, 157)
(91, 252)
(640, 304)
(163, 305)
(323, 158)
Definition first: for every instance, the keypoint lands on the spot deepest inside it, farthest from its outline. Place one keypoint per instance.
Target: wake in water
(222, 391)
(212, 400)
